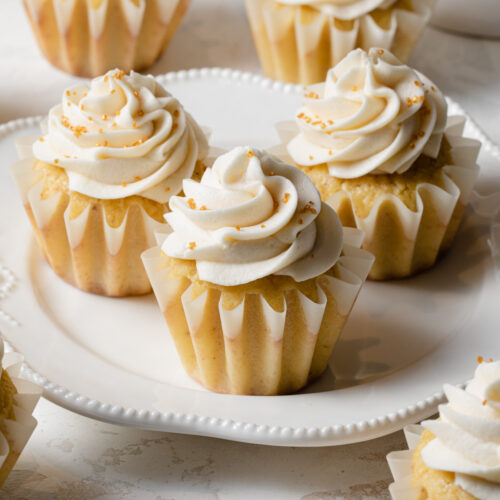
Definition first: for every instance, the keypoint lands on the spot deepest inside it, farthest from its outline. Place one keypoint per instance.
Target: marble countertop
(73, 457)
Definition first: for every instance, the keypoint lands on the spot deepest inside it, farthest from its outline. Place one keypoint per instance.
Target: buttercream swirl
(343, 9)
(468, 434)
(373, 115)
(122, 135)
(252, 216)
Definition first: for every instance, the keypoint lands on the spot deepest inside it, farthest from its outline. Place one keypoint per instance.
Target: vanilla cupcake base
(409, 239)
(299, 44)
(248, 346)
(86, 251)
(87, 38)
(18, 425)
(413, 479)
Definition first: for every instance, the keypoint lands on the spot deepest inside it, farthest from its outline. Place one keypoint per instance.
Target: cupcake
(257, 277)
(456, 456)
(18, 399)
(90, 37)
(377, 143)
(97, 184)
(298, 41)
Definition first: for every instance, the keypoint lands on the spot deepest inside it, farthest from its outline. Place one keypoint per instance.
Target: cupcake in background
(377, 143)
(298, 41)
(98, 182)
(18, 398)
(456, 456)
(89, 37)
(257, 277)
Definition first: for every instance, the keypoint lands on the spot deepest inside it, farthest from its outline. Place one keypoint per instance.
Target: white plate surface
(113, 359)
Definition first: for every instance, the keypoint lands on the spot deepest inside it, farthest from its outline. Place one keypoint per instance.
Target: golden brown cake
(90, 37)
(376, 141)
(298, 41)
(257, 278)
(97, 184)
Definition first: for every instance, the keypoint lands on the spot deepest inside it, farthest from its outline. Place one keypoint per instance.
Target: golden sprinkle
(317, 122)
(68, 93)
(433, 88)
(100, 130)
(137, 178)
(330, 122)
(411, 146)
(192, 245)
(286, 197)
(85, 95)
(300, 115)
(308, 208)
(41, 139)
(134, 124)
(330, 152)
(422, 98)
(409, 102)
(417, 83)
(490, 360)
(105, 143)
(380, 52)
(416, 99)
(56, 161)
(323, 125)
(238, 228)
(480, 359)
(354, 88)
(114, 124)
(250, 154)
(262, 226)
(103, 157)
(136, 94)
(311, 157)
(69, 104)
(124, 184)
(203, 207)
(484, 402)
(191, 204)
(104, 118)
(312, 95)
(90, 119)
(113, 91)
(106, 78)
(119, 75)
(167, 189)
(67, 156)
(82, 107)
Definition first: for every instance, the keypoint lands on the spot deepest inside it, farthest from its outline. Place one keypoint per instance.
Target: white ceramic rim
(188, 423)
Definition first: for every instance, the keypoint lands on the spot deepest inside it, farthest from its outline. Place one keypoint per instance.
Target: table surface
(73, 457)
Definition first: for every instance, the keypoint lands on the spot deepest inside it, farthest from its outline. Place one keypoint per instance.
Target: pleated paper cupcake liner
(254, 349)
(405, 241)
(297, 46)
(88, 38)
(15, 433)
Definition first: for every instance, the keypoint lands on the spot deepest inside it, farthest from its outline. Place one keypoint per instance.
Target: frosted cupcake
(90, 37)
(18, 399)
(458, 455)
(298, 41)
(377, 143)
(257, 278)
(97, 184)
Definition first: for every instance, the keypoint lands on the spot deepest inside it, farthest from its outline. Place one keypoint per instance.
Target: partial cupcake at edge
(298, 41)
(257, 277)
(97, 183)
(456, 456)
(89, 37)
(376, 140)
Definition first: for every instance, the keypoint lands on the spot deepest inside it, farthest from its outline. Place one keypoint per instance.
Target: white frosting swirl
(252, 216)
(343, 9)
(123, 135)
(372, 115)
(468, 434)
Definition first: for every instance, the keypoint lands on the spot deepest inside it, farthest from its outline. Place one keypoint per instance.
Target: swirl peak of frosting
(122, 135)
(372, 115)
(468, 434)
(343, 9)
(252, 216)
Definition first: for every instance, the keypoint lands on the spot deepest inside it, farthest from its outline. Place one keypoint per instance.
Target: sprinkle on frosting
(141, 151)
(258, 224)
(382, 127)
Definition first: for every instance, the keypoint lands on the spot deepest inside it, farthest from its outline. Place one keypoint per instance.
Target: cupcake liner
(14, 434)
(87, 40)
(300, 48)
(252, 348)
(400, 465)
(404, 241)
(85, 251)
